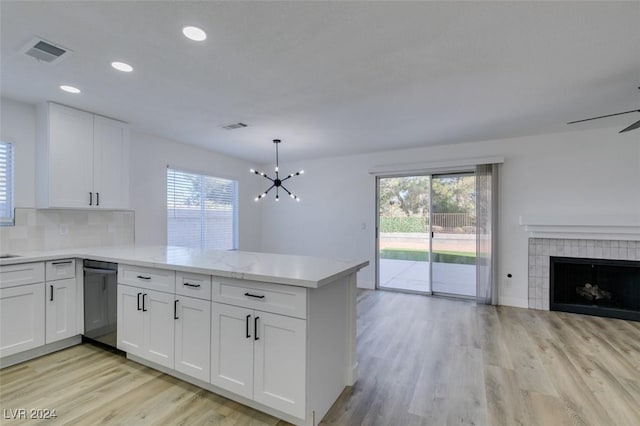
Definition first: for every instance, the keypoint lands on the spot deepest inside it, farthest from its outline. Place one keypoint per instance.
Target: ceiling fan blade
(632, 127)
(604, 116)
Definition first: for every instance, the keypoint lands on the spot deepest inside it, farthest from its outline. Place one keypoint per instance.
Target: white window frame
(7, 184)
(235, 204)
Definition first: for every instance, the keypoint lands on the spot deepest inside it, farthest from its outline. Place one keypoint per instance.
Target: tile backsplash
(43, 229)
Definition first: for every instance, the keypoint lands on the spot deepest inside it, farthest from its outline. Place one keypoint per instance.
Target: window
(6, 183)
(202, 211)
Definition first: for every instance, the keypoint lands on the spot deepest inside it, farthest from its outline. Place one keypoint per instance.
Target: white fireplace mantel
(612, 227)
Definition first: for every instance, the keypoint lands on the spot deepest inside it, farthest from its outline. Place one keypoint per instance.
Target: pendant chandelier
(277, 183)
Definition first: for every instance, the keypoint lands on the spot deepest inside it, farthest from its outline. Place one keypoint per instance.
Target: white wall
(150, 156)
(18, 126)
(586, 173)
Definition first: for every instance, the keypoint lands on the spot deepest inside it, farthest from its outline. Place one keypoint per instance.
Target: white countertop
(302, 271)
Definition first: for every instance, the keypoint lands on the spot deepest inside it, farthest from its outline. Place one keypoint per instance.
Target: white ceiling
(333, 78)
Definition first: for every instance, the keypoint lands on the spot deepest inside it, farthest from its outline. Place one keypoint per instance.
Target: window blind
(6, 183)
(202, 211)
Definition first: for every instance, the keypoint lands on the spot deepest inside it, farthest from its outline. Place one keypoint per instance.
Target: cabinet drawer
(60, 269)
(193, 285)
(149, 278)
(20, 274)
(268, 297)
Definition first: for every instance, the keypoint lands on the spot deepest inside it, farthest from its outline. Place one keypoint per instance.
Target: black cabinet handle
(142, 277)
(91, 198)
(51, 298)
(62, 262)
(247, 326)
(254, 295)
(192, 285)
(97, 198)
(255, 328)
(139, 308)
(175, 309)
(144, 309)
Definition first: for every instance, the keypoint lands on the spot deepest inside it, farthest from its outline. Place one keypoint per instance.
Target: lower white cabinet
(145, 324)
(60, 310)
(260, 356)
(232, 348)
(193, 334)
(279, 353)
(21, 318)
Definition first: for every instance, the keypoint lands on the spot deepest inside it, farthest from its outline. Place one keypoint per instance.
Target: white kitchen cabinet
(60, 310)
(193, 336)
(21, 318)
(146, 324)
(260, 356)
(82, 159)
(111, 163)
(158, 314)
(232, 348)
(130, 327)
(279, 362)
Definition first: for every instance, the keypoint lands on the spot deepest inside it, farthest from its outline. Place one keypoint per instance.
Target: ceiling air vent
(45, 51)
(234, 126)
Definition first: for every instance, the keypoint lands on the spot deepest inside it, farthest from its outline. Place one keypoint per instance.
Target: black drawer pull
(62, 262)
(91, 198)
(255, 328)
(142, 277)
(97, 198)
(175, 309)
(192, 285)
(255, 295)
(247, 327)
(144, 309)
(139, 308)
(51, 293)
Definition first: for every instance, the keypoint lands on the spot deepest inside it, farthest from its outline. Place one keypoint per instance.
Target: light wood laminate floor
(423, 361)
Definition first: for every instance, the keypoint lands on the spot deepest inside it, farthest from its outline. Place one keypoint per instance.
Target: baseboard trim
(516, 302)
(40, 351)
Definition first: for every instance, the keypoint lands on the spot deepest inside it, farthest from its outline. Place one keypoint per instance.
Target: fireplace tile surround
(540, 249)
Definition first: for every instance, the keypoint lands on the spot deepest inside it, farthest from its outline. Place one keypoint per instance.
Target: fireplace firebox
(607, 288)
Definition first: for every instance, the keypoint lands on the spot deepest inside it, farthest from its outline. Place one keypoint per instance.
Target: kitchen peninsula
(274, 332)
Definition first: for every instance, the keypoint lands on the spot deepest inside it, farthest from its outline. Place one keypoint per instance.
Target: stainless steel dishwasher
(100, 302)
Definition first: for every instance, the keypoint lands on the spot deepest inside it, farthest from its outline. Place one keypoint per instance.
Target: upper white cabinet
(82, 159)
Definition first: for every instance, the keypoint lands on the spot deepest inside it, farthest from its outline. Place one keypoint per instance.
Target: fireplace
(602, 287)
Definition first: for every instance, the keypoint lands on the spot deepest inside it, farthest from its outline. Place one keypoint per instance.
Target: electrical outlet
(63, 229)
(363, 225)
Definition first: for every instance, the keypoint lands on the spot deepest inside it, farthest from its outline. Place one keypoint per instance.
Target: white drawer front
(20, 274)
(60, 269)
(149, 278)
(275, 298)
(193, 285)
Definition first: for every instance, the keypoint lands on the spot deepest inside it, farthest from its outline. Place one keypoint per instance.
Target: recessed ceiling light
(194, 33)
(121, 66)
(70, 89)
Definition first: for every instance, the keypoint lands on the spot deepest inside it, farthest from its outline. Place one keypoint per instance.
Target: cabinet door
(60, 309)
(70, 157)
(280, 363)
(158, 327)
(130, 328)
(193, 337)
(21, 318)
(111, 163)
(232, 348)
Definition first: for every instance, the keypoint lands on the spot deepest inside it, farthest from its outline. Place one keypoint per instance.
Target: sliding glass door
(403, 233)
(426, 234)
(454, 234)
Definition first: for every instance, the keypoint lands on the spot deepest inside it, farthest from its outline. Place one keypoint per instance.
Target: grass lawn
(459, 257)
